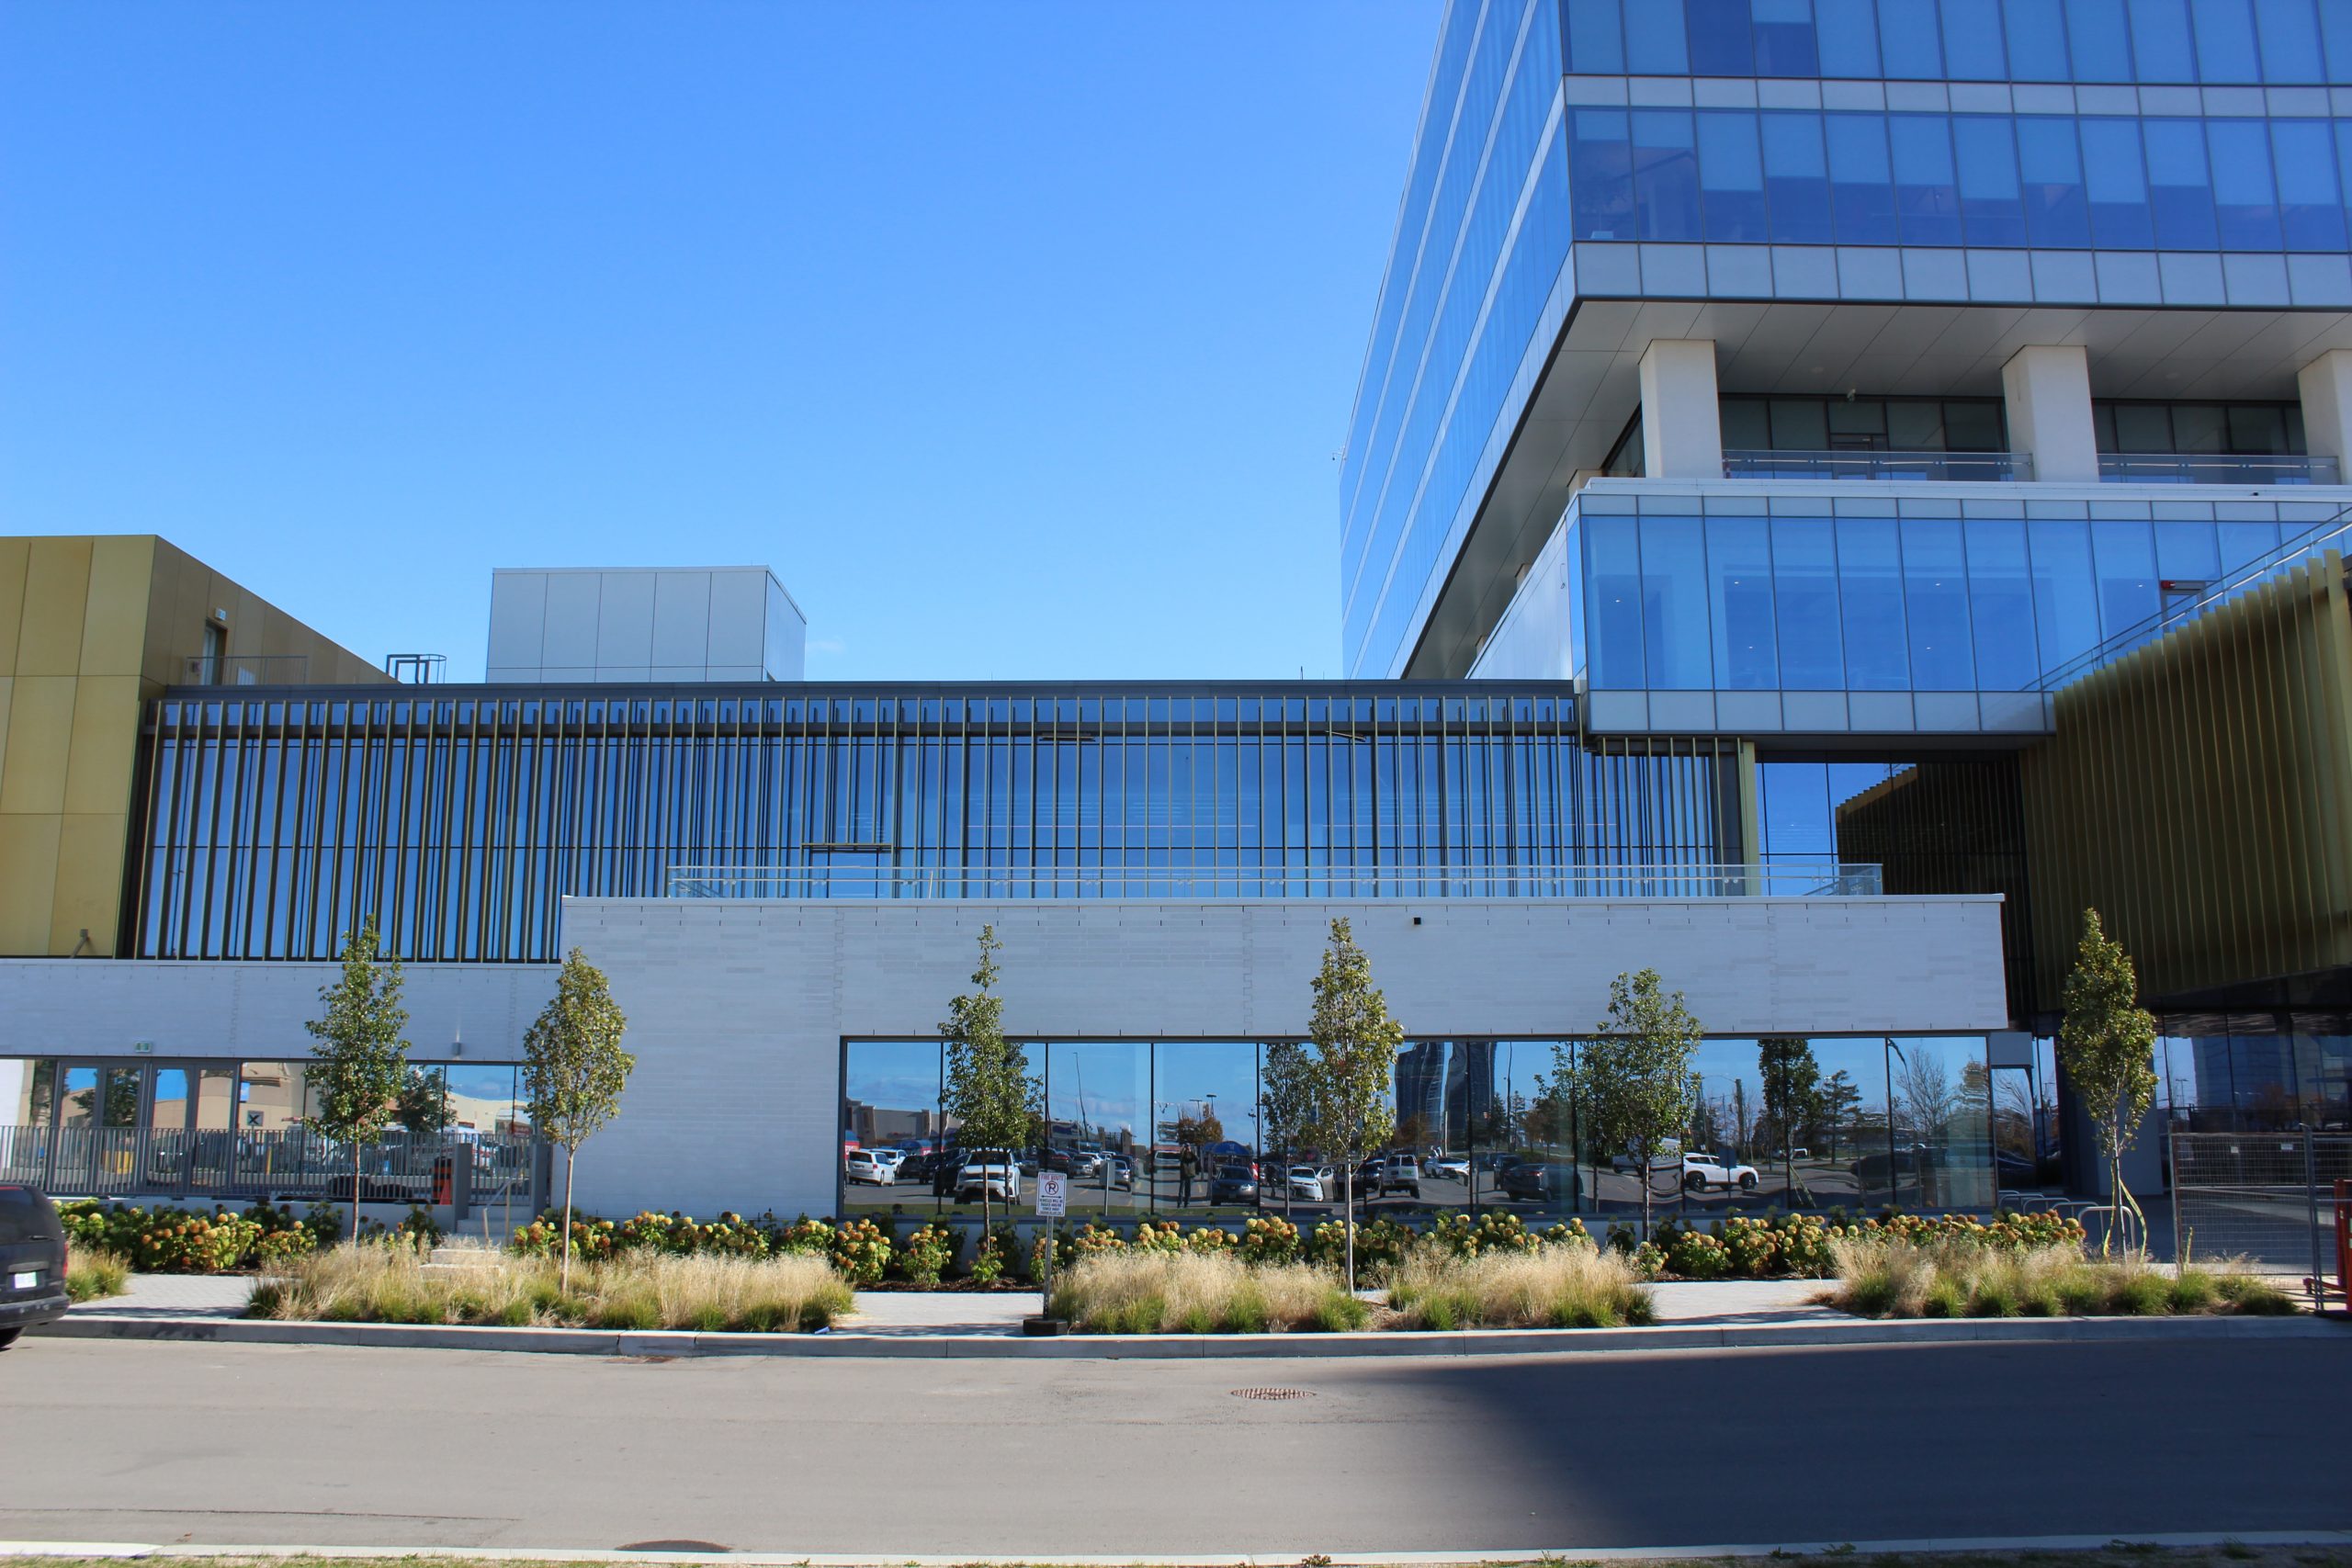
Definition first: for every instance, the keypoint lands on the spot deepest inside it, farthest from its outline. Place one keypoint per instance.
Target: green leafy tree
(996, 1102)
(424, 1104)
(1791, 1084)
(1636, 1073)
(359, 1055)
(1841, 1106)
(575, 1069)
(1283, 1103)
(1356, 1043)
(2107, 1049)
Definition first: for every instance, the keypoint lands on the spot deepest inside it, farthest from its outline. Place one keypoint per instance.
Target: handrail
(1784, 879)
(1785, 463)
(2335, 530)
(2217, 469)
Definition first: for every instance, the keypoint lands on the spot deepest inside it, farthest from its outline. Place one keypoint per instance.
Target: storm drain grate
(1272, 1394)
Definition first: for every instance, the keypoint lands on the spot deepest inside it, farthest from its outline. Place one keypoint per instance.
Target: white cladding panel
(636, 624)
(737, 1010)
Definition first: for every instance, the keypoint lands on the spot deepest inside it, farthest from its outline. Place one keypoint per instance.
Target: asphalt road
(162, 1442)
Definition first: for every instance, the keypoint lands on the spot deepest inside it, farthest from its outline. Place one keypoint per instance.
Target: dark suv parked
(32, 1261)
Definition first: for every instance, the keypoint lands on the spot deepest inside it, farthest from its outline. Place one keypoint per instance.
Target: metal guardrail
(285, 1163)
(2334, 533)
(2213, 468)
(1784, 879)
(1752, 464)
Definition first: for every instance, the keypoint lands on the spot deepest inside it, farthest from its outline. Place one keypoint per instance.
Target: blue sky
(1017, 337)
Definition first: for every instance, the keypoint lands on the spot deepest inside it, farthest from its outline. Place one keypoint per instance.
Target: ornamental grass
(1555, 1287)
(1883, 1276)
(710, 1294)
(1194, 1292)
(93, 1272)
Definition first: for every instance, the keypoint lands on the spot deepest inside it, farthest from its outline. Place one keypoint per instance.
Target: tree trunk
(354, 1191)
(1348, 1224)
(565, 1277)
(1641, 1160)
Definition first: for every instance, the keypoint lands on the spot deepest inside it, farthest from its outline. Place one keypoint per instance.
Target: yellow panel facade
(57, 590)
(40, 735)
(114, 625)
(88, 902)
(104, 745)
(91, 630)
(15, 554)
(27, 883)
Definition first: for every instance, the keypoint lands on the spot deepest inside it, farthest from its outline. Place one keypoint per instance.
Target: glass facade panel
(461, 842)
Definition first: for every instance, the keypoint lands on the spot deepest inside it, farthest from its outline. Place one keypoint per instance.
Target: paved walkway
(177, 1295)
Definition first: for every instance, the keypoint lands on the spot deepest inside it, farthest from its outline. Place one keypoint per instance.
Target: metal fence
(285, 1163)
(2269, 1198)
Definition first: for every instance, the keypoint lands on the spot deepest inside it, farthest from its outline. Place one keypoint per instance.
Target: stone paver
(901, 1313)
(1743, 1301)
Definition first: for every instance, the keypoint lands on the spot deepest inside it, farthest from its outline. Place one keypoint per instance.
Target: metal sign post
(1053, 1202)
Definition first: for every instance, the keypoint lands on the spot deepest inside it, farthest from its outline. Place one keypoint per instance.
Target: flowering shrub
(1093, 1238)
(924, 1257)
(861, 1251)
(592, 1238)
(1209, 1238)
(1569, 1233)
(1693, 1253)
(1380, 1246)
(804, 1236)
(1456, 1234)
(987, 1259)
(183, 1241)
(1163, 1235)
(1270, 1240)
(277, 1247)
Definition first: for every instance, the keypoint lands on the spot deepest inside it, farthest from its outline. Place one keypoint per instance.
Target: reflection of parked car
(1400, 1173)
(1449, 1167)
(1233, 1184)
(869, 1166)
(1702, 1171)
(995, 1174)
(917, 1169)
(1122, 1169)
(1540, 1181)
(1310, 1183)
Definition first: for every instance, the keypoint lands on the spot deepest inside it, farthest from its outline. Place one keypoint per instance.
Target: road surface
(161, 1442)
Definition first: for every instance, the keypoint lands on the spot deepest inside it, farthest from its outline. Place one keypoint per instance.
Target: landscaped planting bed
(377, 1283)
(1950, 1276)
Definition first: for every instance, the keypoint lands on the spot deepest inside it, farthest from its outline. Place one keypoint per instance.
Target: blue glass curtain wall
(2057, 182)
(2276, 42)
(1480, 245)
(1835, 595)
(1154, 1127)
(274, 824)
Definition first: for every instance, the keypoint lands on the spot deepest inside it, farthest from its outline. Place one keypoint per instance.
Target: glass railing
(1780, 879)
(1778, 465)
(2334, 534)
(2203, 469)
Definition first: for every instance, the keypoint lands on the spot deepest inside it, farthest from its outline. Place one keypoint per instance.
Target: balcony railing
(1778, 465)
(1784, 879)
(2201, 468)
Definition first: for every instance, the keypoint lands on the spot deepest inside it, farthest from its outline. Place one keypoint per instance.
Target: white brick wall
(737, 1010)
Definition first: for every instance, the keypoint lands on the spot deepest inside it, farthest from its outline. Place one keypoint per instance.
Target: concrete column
(1682, 429)
(2048, 390)
(2326, 388)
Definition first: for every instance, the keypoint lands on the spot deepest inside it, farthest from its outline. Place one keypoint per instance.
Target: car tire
(8, 1337)
(1694, 1182)
(1747, 1182)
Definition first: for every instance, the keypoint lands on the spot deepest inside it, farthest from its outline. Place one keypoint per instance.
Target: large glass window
(1205, 1110)
(1796, 178)
(1098, 1117)
(1665, 175)
(1674, 603)
(1731, 175)
(1870, 568)
(1805, 578)
(2180, 191)
(1935, 595)
(1943, 1156)
(1862, 178)
(1739, 583)
(2057, 209)
(1926, 199)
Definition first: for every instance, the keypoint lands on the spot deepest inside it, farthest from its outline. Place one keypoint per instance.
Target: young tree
(1355, 1060)
(993, 1097)
(1842, 1103)
(575, 1069)
(423, 1105)
(1283, 1103)
(1635, 1072)
(359, 1060)
(2107, 1049)
(1791, 1083)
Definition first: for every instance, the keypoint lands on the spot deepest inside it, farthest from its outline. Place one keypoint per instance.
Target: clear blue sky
(1017, 337)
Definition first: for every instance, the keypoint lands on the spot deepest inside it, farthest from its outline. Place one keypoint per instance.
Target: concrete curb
(1628, 1554)
(1170, 1347)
